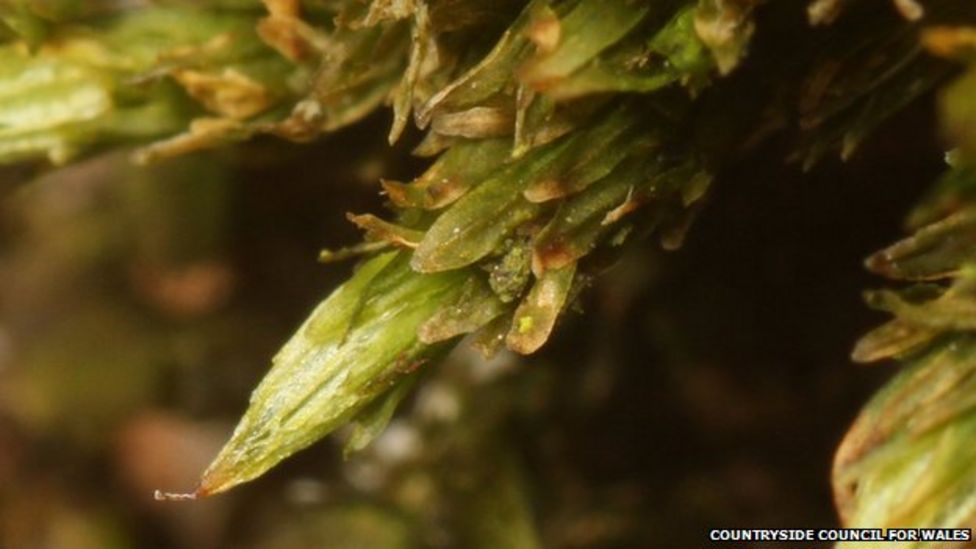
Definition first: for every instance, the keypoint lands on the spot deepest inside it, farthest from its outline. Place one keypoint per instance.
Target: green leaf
(958, 103)
(936, 251)
(476, 305)
(459, 169)
(909, 460)
(536, 316)
(474, 226)
(371, 422)
(591, 27)
(673, 54)
(488, 77)
(580, 220)
(360, 343)
(477, 225)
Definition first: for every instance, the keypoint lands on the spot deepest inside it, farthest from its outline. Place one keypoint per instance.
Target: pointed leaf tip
(360, 343)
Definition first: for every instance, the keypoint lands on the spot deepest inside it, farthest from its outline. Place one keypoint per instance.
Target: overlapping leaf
(908, 460)
(563, 127)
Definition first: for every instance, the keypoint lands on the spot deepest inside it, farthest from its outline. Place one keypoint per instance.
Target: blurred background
(702, 388)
